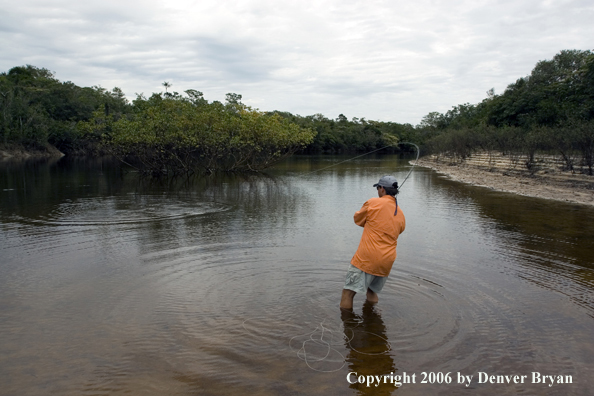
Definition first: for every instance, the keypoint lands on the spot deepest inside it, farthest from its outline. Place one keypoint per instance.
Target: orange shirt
(377, 249)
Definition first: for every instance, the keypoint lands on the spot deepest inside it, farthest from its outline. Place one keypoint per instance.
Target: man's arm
(360, 217)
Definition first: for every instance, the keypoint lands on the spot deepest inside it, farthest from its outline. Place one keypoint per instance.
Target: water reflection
(99, 193)
(541, 241)
(368, 350)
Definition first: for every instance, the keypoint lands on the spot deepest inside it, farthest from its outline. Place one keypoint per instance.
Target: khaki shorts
(359, 281)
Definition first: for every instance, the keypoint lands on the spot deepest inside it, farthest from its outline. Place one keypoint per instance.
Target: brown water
(229, 285)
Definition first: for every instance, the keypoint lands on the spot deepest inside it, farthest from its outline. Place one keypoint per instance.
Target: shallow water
(110, 284)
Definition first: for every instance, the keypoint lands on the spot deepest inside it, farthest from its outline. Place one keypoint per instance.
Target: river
(229, 285)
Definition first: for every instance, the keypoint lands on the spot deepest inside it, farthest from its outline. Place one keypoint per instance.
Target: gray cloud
(392, 61)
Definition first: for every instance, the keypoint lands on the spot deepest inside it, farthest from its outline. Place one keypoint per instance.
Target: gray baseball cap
(387, 181)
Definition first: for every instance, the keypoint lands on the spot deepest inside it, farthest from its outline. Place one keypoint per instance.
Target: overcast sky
(382, 60)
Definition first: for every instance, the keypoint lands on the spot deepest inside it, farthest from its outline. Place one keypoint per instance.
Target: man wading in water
(382, 222)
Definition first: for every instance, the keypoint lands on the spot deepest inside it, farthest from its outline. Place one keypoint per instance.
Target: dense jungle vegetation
(176, 134)
(165, 133)
(551, 110)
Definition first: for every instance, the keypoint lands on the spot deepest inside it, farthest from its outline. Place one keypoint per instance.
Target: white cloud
(385, 60)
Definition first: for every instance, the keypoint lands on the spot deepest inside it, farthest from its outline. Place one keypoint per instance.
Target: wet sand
(548, 184)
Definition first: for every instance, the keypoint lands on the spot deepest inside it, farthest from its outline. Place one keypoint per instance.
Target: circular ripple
(125, 210)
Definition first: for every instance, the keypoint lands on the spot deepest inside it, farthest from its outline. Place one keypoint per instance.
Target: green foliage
(551, 110)
(165, 128)
(37, 109)
(555, 91)
(178, 134)
(357, 135)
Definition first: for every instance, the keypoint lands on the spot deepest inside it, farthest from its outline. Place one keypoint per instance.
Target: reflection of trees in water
(536, 224)
(545, 242)
(369, 349)
(36, 189)
(258, 205)
(217, 208)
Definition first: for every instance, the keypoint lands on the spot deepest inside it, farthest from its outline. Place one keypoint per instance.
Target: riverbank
(18, 152)
(546, 183)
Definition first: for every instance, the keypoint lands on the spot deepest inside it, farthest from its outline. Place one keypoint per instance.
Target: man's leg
(346, 302)
(372, 296)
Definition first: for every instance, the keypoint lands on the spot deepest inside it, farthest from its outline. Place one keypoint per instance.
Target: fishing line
(328, 340)
(347, 160)
(329, 345)
(373, 151)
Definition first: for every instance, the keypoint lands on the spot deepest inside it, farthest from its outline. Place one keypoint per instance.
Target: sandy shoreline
(561, 186)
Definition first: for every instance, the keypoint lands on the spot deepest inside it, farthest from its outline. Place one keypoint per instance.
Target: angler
(382, 221)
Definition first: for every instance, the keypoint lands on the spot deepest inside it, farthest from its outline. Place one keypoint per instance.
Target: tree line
(164, 133)
(38, 109)
(342, 135)
(176, 134)
(549, 111)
